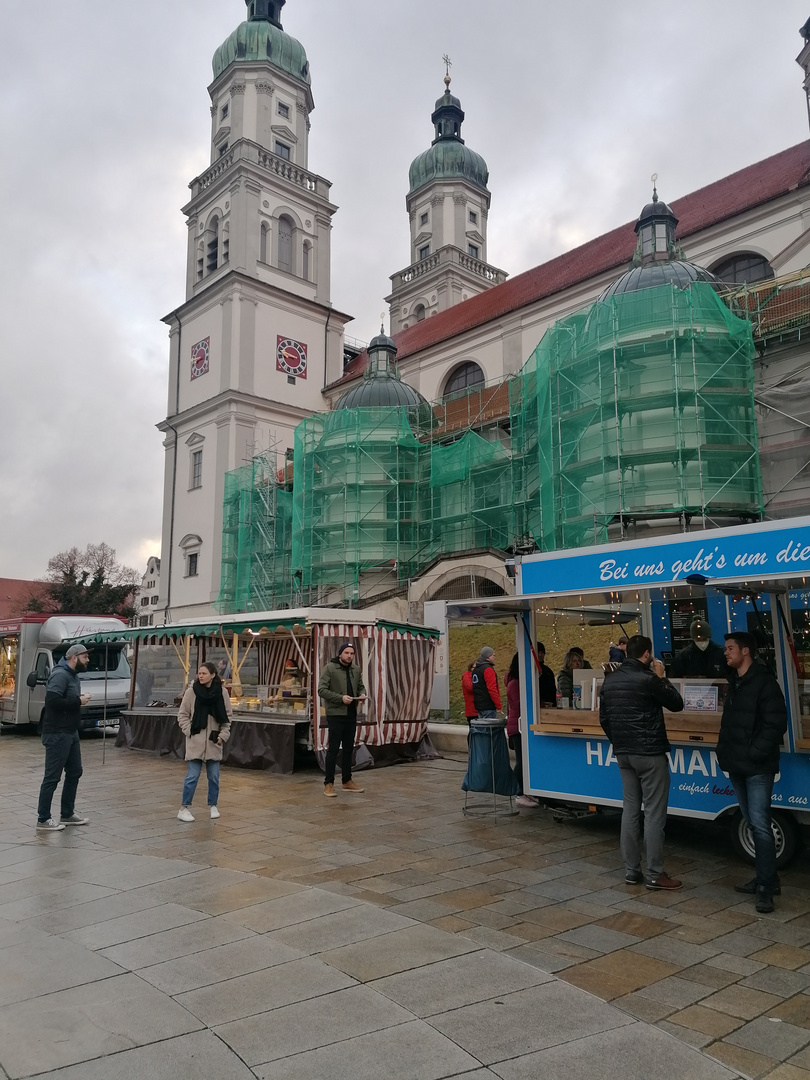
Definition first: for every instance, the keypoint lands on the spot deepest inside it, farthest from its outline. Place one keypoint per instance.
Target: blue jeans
(62, 751)
(193, 775)
(754, 796)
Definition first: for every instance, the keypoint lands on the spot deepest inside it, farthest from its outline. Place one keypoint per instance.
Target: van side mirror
(31, 680)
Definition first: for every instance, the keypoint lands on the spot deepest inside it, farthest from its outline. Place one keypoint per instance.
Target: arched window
(212, 245)
(263, 243)
(419, 312)
(285, 234)
(743, 268)
(305, 262)
(462, 378)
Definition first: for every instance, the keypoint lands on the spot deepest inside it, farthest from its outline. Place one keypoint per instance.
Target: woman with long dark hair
(205, 719)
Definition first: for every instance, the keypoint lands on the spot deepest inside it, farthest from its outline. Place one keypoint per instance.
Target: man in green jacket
(341, 687)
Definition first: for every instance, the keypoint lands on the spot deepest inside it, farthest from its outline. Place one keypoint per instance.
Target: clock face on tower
(291, 357)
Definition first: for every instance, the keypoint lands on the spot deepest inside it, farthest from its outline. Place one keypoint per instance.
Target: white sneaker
(214, 812)
(185, 814)
(526, 800)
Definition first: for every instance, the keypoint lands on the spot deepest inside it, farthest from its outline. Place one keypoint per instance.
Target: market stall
(271, 663)
(674, 589)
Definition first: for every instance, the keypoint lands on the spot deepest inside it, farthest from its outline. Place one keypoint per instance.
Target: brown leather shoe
(351, 786)
(663, 881)
(329, 791)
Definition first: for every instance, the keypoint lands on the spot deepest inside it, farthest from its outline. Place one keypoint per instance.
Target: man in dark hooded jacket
(340, 688)
(631, 712)
(751, 732)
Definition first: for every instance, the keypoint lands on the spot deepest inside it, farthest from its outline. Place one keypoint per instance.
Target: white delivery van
(32, 645)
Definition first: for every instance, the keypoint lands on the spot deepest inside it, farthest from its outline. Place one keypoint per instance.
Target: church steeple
(448, 203)
(269, 10)
(448, 115)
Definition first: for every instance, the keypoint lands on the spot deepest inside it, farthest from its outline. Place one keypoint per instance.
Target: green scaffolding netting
(640, 407)
(636, 408)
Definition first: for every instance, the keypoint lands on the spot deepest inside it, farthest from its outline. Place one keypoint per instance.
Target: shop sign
(723, 555)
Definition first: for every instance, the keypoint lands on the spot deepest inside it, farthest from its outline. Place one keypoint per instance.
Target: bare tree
(89, 582)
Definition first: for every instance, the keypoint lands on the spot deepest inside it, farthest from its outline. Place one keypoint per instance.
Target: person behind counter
(617, 654)
(546, 686)
(513, 735)
(574, 661)
(291, 683)
(702, 658)
(204, 717)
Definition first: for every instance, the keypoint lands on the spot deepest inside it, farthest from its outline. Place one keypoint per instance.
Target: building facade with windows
(256, 337)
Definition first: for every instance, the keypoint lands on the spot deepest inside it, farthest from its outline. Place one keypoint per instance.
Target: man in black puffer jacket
(631, 712)
(751, 732)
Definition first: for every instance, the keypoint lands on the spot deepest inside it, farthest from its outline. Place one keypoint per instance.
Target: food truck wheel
(785, 833)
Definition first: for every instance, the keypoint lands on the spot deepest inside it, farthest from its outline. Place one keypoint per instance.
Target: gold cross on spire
(448, 63)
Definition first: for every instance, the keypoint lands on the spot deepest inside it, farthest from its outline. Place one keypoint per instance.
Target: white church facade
(256, 346)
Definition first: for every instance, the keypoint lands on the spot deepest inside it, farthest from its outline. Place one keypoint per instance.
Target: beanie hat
(75, 650)
(486, 652)
(345, 645)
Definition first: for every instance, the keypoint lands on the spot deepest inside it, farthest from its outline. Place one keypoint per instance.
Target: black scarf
(208, 703)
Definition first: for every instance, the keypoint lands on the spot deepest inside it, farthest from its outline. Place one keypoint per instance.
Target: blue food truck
(754, 578)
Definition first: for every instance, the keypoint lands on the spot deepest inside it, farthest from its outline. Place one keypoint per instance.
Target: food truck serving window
(685, 593)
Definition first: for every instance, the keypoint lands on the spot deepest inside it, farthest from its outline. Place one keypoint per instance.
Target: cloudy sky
(105, 120)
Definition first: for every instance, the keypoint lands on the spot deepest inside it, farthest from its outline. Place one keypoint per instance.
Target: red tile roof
(14, 592)
(734, 194)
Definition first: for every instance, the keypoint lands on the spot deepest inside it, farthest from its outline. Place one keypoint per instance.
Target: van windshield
(112, 662)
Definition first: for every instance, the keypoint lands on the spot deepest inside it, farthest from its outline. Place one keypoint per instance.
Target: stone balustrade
(444, 256)
(253, 154)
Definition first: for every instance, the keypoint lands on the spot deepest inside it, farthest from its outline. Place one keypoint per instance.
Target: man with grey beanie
(60, 737)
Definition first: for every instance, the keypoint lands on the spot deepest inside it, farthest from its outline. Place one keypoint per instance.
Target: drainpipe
(326, 344)
(174, 467)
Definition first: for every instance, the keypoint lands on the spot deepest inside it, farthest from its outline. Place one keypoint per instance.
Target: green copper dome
(261, 39)
(448, 158)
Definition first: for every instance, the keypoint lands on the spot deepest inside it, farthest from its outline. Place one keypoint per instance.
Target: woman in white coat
(205, 719)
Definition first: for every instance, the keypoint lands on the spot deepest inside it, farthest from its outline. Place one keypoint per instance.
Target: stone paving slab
(459, 981)
(636, 1052)
(495, 1034)
(87, 1022)
(300, 906)
(381, 1055)
(402, 950)
(46, 964)
(189, 1057)
(261, 991)
(308, 1025)
(217, 964)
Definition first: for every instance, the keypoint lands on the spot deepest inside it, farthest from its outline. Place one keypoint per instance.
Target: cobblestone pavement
(376, 935)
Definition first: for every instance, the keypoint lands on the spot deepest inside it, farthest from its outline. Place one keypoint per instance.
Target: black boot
(764, 900)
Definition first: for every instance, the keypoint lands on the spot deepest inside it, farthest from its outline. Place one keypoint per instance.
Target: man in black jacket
(60, 737)
(751, 732)
(340, 687)
(632, 716)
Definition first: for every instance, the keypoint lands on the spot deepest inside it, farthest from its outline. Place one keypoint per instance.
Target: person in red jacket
(469, 704)
(486, 694)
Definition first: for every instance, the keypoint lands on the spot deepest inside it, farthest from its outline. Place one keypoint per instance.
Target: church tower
(448, 205)
(257, 338)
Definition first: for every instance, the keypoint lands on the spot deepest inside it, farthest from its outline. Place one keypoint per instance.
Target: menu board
(681, 614)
